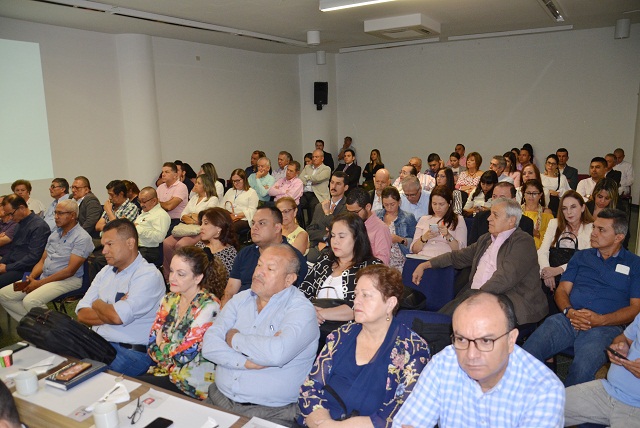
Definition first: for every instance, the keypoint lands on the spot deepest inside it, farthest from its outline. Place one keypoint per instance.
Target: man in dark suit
(350, 168)
(328, 159)
(570, 172)
(90, 208)
(612, 173)
(324, 213)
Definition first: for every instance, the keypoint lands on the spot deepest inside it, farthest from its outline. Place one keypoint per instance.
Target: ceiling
(291, 19)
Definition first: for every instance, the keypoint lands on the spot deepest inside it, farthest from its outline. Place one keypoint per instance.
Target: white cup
(105, 415)
(26, 383)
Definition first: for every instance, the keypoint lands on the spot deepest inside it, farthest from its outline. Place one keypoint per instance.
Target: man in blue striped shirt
(491, 382)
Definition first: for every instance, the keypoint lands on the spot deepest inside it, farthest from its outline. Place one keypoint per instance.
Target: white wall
(576, 89)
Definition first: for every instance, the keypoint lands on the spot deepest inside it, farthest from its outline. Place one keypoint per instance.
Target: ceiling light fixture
(552, 9)
(510, 33)
(329, 5)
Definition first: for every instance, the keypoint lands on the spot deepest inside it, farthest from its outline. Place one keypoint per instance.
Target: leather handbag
(56, 332)
(182, 230)
(559, 256)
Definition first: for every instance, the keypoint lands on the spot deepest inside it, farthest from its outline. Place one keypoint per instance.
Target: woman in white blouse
(241, 201)
(554, 182)
(574, 221)
(204, 198)
(442, 230)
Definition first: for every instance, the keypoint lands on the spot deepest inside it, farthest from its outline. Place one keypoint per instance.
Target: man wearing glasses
(152, 225)
(59, 191)
(60, 269)
(415, 200)
(484, 378)
(28, 242)
(90, 208)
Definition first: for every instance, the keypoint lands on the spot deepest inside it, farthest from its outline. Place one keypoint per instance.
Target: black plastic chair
(59, 303)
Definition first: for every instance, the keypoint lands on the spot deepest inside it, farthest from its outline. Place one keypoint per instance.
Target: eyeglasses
(356, 211)
(78, 187)
(53, 186)
(552, 163)
(239, 180)
(532, 194)
(287, 211)
(144, 202)
(61, 213)
(483, 344)
(12, 213)
(137, 414)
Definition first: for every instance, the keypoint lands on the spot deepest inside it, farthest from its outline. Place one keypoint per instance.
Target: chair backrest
(433, 327)
(437, 285)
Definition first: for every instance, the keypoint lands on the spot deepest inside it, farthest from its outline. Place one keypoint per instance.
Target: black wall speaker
(320, 94)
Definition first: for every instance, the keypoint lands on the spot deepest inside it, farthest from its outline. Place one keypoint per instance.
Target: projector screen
(24, 132)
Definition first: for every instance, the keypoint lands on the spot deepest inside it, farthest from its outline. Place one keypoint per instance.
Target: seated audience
(504, 261)
(334, 275)
(374, 165)
(480, 199)
(598, 294)
(152, 225)
(610, 172)
(531, 172)
(381, 180)
(435, 163)
(627, 172)
(525, 156)
(371, 366)
(59, 191)
(405, 172)
(253, 168)
(218, 238)
(324, 213)
(575, 223)
(442, 230)
(605, 195)
(133, 193)
(569, 172)
(308, 159)
(28, 242)
(614, 401)
(328, 157)
(241, 201)
(348, 144)
(9, 417)
(415, 200)
(444, 177)
(89, 207)
(122, 301)
(468, 180)
(358, 202)
(315, 178)
(205, 197)
(350, 168)
(498, 165)
(510, 168)
(480, 224)
(290, 185)
(210, 170)
(427, 182)
(172, 193)
(284, 159)
(597, 168)
(184, 316)
(117, 206)
(8, 229)
(60, 269)
(454, 165)
(533, 206)
(491, 382)
(23, 188)
(554, 182)
(296, 236)
(266, 231)
(263, 342)
(402, 226)
(261, 181)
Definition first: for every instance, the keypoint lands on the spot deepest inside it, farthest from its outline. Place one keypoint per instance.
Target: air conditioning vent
(415, 26)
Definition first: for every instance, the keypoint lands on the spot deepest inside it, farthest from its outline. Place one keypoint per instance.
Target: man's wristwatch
(566, 310)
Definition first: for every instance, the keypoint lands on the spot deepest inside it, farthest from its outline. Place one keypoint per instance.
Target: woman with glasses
(531, 172)
(480, 199)
(533, 206)
(555, 182)
(442, 230)
(240, 200)
(402, 226)
(184, 316)
(368, 368)
(296, 236)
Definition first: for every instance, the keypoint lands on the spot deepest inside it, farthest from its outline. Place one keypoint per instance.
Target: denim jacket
(405, 225)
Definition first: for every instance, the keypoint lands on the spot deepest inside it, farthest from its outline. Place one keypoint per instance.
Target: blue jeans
(556, 334)
(130, 362)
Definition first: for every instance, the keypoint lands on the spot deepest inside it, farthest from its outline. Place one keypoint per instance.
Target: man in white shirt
(597, 170)
(627, 172)
(284, 158)
(426, 181)
(498, 164)
(152, 225)
(316, 189)
(381, 180)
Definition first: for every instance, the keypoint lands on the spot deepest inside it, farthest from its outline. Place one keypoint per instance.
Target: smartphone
(15, 347)
(616, 353)
(160, 423)
(434, 228)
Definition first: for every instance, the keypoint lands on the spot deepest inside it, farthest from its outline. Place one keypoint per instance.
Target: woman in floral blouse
(185, 314)
(368, 368)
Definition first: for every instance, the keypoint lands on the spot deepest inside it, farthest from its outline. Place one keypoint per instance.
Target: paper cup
(6, 358)
(26, 383)
(105, 415)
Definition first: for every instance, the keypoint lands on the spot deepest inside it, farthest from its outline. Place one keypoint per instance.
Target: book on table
(75, 373)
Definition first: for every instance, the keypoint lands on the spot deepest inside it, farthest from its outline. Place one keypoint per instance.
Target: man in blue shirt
(598, 294)
(415, 200)
(484, 378)
(60, 269)
(59, 191)
(264, 342)
(123, 299)
(614, 401)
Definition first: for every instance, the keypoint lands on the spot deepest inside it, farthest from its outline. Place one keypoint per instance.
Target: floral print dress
(180, 354)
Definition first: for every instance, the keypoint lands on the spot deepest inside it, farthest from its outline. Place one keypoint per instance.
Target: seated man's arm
(214, 345)
(5, 239)
(621, 316)
(70, 270)
(93, 212)
(171, 203)
(232, 288)
(155, 229)
(514, 266)
(101, 224)
(86, 314)
(37, 244)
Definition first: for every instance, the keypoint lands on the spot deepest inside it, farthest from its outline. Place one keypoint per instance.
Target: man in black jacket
(570, 172)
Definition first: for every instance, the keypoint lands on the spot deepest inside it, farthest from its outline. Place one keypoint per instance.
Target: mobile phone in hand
(616, 353)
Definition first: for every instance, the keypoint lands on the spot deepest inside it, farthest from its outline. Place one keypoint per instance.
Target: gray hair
(502, 162)
(512, 208)
(267, 159)
(411, 181)
(619, 217)
(292, 264)
(69, 205)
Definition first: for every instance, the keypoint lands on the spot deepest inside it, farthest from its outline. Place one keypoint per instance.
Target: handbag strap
(570, 236)
(335, 395)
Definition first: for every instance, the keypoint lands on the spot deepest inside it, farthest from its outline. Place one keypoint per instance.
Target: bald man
(381, 179)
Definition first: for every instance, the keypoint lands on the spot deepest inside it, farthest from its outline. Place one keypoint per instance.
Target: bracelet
(451, 238)
(424, 242)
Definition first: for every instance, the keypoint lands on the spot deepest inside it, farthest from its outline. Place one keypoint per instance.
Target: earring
(388, 317)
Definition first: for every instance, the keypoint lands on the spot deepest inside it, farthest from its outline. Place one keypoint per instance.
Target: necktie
(333, 207)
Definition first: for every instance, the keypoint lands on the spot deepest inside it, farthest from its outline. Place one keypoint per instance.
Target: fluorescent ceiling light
(387, 45)
(511, 33)
(329, 5)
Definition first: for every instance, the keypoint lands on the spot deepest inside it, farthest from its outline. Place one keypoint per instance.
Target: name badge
(622, 269)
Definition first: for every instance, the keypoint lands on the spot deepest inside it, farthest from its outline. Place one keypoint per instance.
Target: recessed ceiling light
(329, 5)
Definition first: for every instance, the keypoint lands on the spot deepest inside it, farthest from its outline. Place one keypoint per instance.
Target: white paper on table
(255, 422)
(183, 413)
(31, 356)
(65, 402)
